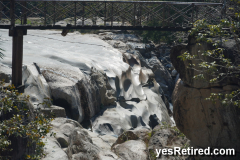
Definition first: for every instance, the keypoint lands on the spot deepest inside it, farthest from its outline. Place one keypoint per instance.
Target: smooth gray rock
(131, 150)
(76, 142)
(53, 150)
(35, 86)
(174, 73)
(117, 44)
(54, 111)
(139, 102)
(137, 46)
(165, 137)
(105, 91)
(81, 146)
(5, 73)
(64, 89)
(162, 76)
(62, 128)
(126, 37)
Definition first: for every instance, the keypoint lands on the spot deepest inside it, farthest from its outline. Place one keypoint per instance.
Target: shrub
(20, 125)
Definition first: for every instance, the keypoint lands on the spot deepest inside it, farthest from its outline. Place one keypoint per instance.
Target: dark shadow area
(117, 81)
(63, 103)
(134, 121)
(86, 124)
(126, 84)
(153, 121)
(141, 121)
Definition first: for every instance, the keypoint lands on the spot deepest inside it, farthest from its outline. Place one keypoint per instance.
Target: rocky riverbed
(110, 83)
(111, 94)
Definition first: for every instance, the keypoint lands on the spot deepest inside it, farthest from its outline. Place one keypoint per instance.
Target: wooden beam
(105, 13)
(45, 13)
(75, 13)
(134, 14)
(160, 28)
(112, 15)
(83, 16)
(17, 57)
(12, 11)
(24, 12)
(1, 8)
(54, 13)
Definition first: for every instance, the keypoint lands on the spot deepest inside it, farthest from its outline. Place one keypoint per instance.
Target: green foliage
(153, 155)
(124, 137)
(218, 66)
(16, 120)
(19, 21)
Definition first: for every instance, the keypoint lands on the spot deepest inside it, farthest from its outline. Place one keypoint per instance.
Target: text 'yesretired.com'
(194, 151)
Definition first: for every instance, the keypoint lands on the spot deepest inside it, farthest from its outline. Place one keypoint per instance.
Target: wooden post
(1, 8)
(83, 13)
(12, 11)
(105, 13)
(164, 15)
(134, 14)
(17, 50)
(192, 13)
(24, 12)
(140, 10)
(54, 12)
(112, 15)
(45, 13)
(75, 14)
(17, 56)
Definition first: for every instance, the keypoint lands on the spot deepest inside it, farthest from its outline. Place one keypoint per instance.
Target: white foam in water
(171, 108)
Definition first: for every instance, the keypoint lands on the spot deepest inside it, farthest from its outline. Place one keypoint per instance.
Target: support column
(17, 57)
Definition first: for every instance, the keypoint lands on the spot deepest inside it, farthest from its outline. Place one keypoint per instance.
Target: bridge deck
(130, 15)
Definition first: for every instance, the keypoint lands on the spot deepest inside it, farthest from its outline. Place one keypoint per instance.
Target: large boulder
(157, 70)
(79, 94)
(81, 146)
(36, 85)
(131, 150)
(162, 76)
(105, 91)
(206, 124)
(165, 136)
(53, 150)
(72, 141)
(55, 146)
(63, 83)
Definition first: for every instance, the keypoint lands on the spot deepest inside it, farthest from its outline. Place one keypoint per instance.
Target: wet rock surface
(110, 86)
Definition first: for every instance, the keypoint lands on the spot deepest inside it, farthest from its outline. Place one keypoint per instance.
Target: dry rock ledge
(111, 88)
(204, 123)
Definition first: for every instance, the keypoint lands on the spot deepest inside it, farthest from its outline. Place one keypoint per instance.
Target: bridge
(87, 14)
(20, 15)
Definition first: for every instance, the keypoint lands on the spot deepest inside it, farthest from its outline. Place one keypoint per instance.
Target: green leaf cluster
(18, 120)
(214, 63)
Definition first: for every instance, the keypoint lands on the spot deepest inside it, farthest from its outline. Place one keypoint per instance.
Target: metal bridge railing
(107, 13)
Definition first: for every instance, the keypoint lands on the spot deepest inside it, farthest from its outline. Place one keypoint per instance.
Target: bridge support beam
(17, 57)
